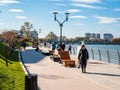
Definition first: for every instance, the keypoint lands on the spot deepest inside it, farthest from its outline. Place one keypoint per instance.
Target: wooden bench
(65, 59)
(70, 63)
(55, 57)
(50, 52)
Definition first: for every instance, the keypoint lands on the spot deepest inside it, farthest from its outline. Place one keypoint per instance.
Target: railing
(110, 56)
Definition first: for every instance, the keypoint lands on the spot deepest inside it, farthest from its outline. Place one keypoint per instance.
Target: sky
(86, 16)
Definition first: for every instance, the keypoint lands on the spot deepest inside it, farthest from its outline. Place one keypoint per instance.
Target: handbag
(78, 64)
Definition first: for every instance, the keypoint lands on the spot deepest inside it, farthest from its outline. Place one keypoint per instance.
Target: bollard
(31, 82)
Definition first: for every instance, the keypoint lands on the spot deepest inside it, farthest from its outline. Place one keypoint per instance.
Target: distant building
(92, 36)
(87, 35)
(97, 36)
(33, 35)
(108, 36)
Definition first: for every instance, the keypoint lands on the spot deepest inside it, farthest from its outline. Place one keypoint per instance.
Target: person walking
(53, 47)
(83, 56)
(24, 44)
(59, 47)
(69, 48)
(63, 46)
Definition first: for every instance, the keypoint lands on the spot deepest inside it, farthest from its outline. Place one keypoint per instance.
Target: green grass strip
(11, 76)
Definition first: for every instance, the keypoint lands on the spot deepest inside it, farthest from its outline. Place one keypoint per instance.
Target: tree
(10, 38)
(26, 28)
(51, 36)
(116, 40)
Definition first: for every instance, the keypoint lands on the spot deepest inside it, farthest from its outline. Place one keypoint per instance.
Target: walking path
(54, 76)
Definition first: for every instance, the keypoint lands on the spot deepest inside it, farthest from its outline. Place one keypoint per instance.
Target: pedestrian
(53, 47)
(59, 47)
(83, 56)
(69, 48)
(24, 44)
(63, 46)
(37, 46)
(45, 44)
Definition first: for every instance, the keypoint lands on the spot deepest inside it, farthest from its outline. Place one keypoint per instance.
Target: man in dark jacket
(63, 46)
(83, 57)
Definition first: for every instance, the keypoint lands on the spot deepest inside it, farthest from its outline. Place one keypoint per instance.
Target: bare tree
(10, 38)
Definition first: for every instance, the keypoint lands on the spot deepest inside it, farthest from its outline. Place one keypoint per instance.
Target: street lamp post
(60, 24)
(39, 30)
(39, 33)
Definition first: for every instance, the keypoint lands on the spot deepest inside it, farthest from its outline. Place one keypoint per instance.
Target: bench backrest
(64, 55)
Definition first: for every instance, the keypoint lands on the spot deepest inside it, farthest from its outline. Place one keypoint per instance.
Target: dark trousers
(83, 66)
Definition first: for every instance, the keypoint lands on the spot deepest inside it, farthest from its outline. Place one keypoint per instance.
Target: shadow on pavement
(31, 56)
(51, 76)
(96, 63)
(106, 74)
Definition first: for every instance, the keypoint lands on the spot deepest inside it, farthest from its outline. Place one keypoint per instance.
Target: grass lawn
(11, 76)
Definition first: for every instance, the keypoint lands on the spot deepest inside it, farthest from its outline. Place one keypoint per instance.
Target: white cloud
(21, 17)
(87, 1)
(73, 10)
(107, 20)
(80, 24)
(78, 17)
(16, 10)
(5, 2)
(88, 6)
(61, 4)
(117, 9)
(2, 24)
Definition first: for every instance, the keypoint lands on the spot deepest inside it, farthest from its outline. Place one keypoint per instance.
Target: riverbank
(97, 43)
(103, 43)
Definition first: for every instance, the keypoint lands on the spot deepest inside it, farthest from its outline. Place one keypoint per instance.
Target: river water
(107, 52)
(107, 47)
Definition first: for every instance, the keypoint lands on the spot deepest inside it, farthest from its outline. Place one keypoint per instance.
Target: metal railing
(110, 56)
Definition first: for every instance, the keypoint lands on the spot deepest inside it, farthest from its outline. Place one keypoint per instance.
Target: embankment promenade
(54, 76)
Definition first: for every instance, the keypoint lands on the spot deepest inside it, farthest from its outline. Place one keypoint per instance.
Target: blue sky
(86, 16)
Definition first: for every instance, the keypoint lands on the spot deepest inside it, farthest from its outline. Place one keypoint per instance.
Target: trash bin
(31, 82)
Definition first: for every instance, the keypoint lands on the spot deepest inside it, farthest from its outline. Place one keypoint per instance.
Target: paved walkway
(54, 76)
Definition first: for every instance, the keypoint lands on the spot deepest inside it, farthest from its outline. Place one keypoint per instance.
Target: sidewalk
(54, 76)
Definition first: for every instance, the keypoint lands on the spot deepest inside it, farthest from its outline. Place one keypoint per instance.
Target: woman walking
(83, 56)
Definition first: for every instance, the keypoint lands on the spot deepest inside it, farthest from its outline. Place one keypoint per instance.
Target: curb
(22, 63)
